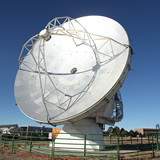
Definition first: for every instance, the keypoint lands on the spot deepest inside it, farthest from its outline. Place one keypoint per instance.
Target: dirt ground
(11, 156)
(4, 155)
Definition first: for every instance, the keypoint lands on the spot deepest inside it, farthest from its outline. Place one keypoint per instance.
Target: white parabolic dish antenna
(70, 73)
(71, 69)
(64, 78)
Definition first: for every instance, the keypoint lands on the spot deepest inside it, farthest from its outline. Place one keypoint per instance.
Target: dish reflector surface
(66, 76)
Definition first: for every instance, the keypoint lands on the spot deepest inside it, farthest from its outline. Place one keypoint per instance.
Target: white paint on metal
(74, 73)
(74, 138)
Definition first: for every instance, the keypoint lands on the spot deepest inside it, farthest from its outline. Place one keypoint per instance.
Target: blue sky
(20, 20)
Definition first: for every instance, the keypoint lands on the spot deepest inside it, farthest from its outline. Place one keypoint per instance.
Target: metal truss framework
(118, 110)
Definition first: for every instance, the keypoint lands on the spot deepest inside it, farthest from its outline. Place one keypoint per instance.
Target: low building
(34, 131)
(146, 131)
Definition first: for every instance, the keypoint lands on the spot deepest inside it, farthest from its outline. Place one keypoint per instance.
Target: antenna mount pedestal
(85, 133)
